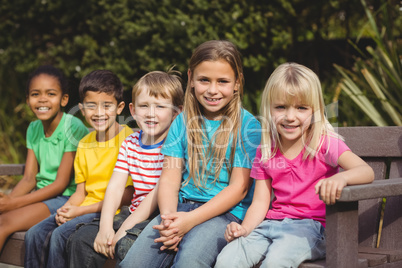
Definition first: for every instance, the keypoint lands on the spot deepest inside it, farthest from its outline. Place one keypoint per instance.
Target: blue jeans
(45, 242)
(198, 248)
(80, 245)
(277, 243)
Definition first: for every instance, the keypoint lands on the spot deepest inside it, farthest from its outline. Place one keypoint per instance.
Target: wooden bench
(364, 228)
(361, 219)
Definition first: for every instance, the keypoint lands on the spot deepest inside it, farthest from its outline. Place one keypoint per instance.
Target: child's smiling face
(45, 98)
(100, 111)
(153, 115)
(292, 120)
(214, 85)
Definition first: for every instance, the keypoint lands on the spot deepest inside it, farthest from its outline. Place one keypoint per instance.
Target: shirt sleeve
(75, 131)
(332, 149)
(122, 163)
(29, 136)
(174, 144)
(250, 139)
(258, 172)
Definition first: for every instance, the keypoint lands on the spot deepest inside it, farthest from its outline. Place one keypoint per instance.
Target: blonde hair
(228, 131)
(291, 81)
(161, 84)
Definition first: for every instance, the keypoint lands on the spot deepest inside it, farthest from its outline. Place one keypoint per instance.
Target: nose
(212, 89)
(290, 114)
(151, 111)
(100, 110)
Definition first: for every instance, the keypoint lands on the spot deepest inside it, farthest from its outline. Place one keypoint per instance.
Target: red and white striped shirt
(143, 163)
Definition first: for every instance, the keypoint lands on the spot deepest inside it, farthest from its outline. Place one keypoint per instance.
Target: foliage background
(132, 37)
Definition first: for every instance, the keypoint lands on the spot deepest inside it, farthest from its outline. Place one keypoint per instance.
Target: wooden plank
(13, 252)
(342, 235)
(392, 255)
(12, 169)
(376, 189)
(375, 142)
(373, 259)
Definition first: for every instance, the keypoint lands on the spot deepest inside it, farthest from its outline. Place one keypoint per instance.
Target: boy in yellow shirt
(101, 94)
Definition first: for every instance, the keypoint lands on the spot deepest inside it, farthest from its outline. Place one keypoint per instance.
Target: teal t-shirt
(176, 146)
(49, 150)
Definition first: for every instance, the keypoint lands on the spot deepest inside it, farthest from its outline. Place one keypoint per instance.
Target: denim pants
(198, 248)
(46, 241)
(277, 243)
(80, 246)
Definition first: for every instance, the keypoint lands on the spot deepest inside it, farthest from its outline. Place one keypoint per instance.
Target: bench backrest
(381, 148)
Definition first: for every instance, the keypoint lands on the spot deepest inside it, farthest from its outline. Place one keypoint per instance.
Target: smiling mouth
(212, 99)
(98, 121)
(43, 109)
(289, 127)
(151, 123)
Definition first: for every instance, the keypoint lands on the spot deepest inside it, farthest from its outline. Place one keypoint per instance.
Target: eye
(108, 106)
(34, 94)
(90, 106)
(279, 107)
(223, 81)
(160, 106)
(303, 108)
(203, 80)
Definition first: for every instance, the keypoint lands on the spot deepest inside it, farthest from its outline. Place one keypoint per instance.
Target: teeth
(151, 123)
(290, 127)
(43, 108)
(208, 99)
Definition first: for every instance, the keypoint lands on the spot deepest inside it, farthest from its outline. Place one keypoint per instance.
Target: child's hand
(168, 236)
(4, 202)
(330, 189)
(233, 231)
(103, 243)
(60, 219)
(68, 212)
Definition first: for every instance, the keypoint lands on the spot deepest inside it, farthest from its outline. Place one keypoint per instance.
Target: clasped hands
(65, 213)
(172, 229)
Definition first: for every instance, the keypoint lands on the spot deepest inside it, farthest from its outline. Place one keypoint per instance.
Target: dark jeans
(80, 249)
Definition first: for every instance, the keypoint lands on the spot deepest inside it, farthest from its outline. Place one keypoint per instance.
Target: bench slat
(12, 169)
(377, 189)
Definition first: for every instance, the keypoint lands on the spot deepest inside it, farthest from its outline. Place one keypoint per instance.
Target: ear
(120, 107)
(64, 100)
(190, 80)
(132, 110)
(81, 108)
(177, 111)
(237, 84)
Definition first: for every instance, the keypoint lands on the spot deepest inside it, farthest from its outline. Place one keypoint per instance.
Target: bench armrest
(12, 169)
(376, 189)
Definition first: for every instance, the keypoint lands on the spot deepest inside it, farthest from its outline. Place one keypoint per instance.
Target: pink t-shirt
(293, 181)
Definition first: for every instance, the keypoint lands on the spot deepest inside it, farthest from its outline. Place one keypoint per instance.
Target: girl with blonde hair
(299, 159)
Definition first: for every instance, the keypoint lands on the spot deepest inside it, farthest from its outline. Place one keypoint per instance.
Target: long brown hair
(228, 131)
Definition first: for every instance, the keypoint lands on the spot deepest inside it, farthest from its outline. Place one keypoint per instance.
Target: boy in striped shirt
(157, 98)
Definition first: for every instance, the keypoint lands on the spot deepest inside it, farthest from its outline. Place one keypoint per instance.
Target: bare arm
(356, 171)
(28, 181)
(113, 198)
(169, 184)
(255, 214)
(19, 199)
